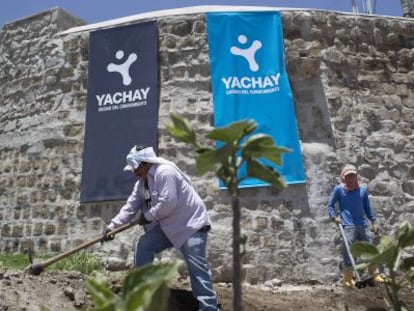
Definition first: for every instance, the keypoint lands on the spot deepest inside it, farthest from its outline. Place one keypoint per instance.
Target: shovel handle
(348, 250)
(37, 268)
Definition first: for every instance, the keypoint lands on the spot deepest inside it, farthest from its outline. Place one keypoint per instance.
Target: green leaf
(159, 299)
(208, 159)
(150, 272)
(385, 243)
(140, 296)
(258, 140)
(362, 266)
(181, 129)
(148, 284)
(101, 294)
(387, 257)
(109, 307)
(369, 252)
(257, 170)
(364, 250)
(232, 133)
(405, 235)
(261, 146)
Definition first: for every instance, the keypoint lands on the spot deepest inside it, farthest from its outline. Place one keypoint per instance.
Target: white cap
(348, 169)
(135, 157)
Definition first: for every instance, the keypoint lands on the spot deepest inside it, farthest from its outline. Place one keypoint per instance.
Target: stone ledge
(59, 16)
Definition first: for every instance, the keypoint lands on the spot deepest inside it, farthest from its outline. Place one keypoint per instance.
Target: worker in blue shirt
(354, 210)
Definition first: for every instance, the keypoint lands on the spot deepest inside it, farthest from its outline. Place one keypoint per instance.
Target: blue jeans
(194, 253)
(354, 234)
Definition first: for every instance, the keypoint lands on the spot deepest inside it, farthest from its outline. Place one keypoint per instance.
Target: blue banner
(250, 81)
(122, 107)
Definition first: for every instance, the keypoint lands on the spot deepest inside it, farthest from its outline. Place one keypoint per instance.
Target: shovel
(37, 267)
(359, 282)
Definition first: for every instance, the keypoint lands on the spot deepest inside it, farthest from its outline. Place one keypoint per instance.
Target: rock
(69, 292)
(273, 283)
(116, 264)
(80, 298)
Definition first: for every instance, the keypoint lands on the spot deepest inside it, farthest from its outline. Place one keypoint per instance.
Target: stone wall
(352, 78)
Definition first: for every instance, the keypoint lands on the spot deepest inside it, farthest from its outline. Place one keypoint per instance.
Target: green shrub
(400, 271)
(145, 288)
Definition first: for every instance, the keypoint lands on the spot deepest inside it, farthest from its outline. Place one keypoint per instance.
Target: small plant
(13, 261)
(389, 253)
(145, 288)
(83, 262)
(238, 146)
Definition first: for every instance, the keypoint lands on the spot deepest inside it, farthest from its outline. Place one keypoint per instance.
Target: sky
(93, 11)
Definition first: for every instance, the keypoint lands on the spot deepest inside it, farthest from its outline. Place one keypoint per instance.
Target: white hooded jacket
(175, 205)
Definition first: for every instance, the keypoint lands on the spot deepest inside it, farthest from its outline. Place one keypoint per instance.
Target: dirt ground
(67, 291)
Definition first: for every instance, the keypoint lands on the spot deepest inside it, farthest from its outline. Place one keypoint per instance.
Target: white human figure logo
(123, 69)
(248, 53)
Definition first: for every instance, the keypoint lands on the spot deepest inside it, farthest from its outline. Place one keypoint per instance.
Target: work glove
(336, 220)
(375, 228)
(105, 236)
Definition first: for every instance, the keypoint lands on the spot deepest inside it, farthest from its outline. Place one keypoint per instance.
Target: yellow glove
(336, 220)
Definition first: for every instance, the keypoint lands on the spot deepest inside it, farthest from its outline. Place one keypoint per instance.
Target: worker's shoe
(373, 270)
(379, 279)
(349, 277)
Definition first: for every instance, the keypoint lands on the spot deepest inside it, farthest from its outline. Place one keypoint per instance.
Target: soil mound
(66, 290)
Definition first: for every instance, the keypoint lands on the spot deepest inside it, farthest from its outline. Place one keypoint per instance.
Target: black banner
(122, 107)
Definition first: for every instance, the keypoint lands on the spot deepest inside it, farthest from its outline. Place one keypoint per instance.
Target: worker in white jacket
(173, 215)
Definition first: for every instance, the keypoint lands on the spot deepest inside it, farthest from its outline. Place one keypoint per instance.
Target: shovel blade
(365, 282)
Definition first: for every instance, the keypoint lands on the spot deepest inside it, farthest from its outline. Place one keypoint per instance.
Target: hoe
(35, 268)
(360, 283)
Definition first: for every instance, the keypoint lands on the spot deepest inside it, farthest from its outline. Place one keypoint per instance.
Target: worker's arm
(133, 204)
(333, 198)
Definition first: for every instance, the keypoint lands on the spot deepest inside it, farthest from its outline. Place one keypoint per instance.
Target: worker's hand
(142, 220)
(375, 228)
(336, 220)
(105, 236)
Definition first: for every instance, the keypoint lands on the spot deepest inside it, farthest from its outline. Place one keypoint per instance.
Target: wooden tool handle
(52, 260)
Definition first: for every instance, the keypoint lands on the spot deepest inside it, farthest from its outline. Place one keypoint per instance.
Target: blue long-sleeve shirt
(354, 206)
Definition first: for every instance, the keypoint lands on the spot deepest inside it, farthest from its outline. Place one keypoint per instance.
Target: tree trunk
(237, 291)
